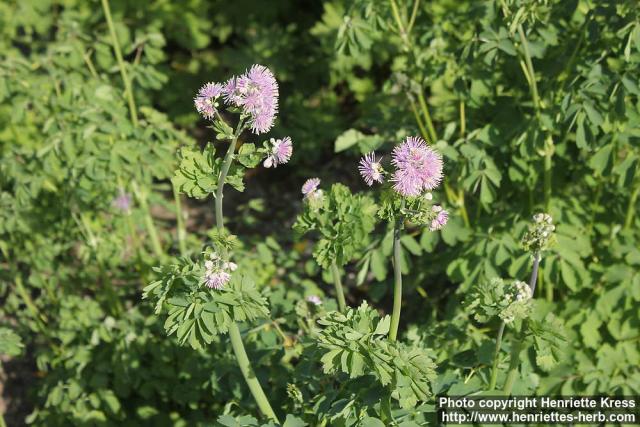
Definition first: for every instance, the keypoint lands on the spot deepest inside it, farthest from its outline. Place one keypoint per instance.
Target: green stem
(463, 119)
(494, 368)
(2, 422)
(342, 305)
(423, 130)
(414, 14)
(549, 146)
(248, 374)
(226, 164)
(385, 410)
(38, 317)
(234, 331)
(547, 174)
(631, 208)
(121, 65)
(148, 219)
(532, 77)
(397, 273)
(427, 116)
(181, 230)
(396, 16)
(518, 344)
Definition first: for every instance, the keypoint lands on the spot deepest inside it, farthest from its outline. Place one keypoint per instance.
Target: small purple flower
(418, 166)
(281, 150)
(205, 100)
(370, 169)
(122, 202)
(442, 216)
(256, 92)
(314, 299)
(310, 186)
(217, 279)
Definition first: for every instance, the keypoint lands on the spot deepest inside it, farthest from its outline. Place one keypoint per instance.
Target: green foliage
(497, 298)
(196, 314)
(197, 174)
(357, 345)
(352, 79)
(10, 342)
(342, 220)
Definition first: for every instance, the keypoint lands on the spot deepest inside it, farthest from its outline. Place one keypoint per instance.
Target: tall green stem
(121, 65)
(496, 354)
(549, 146)
(335, 272)
(181, 230)
(514, 362)
(234, 331)
(427, 117)
(532, 77)
(248, 374)
(416, 115)
(397, 286)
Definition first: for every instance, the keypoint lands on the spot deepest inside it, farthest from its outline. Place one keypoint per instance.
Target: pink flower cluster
(440, 220)
(280, 152)
(217, 271)
(255, 92)
(418, 168)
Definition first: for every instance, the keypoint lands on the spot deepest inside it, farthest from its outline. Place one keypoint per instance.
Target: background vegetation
(534, 104)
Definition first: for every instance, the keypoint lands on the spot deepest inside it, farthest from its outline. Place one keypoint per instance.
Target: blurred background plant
(534, 104)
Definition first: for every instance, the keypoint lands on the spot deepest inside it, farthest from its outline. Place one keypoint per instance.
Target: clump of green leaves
(356, 344)
(509, 301)
(10, 342)
(196, 314)
(344, 222)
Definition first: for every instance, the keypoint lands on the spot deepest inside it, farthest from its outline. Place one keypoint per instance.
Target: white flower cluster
(516, 301)
(540, 234)
(218, 271)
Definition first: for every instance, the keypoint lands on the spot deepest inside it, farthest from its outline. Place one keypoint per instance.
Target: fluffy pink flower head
(310, 186)
(205, 100)
(217, 279)
(371, 169)
(281, 150)
(442, 216)
(256, 92)
(418, 166)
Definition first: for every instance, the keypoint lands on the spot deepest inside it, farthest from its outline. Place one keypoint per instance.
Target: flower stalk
(397, 280)
(234, 331)
(514, 362)
(335, 272)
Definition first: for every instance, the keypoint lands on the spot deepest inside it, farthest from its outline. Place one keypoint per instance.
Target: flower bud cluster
(217, 271)
(540, 234)
(516, 301)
